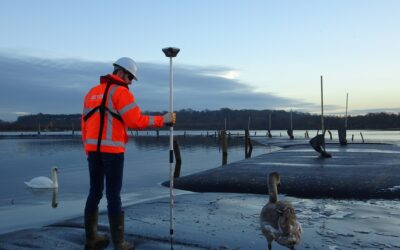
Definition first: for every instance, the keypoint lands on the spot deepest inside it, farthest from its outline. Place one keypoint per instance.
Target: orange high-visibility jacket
(121, 112)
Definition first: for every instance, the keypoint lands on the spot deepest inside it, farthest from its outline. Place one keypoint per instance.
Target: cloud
(55, 86)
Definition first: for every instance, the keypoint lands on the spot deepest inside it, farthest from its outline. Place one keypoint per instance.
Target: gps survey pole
(171, 52)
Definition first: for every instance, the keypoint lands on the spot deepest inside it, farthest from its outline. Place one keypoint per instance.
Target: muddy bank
(230, 221)
(357, 171)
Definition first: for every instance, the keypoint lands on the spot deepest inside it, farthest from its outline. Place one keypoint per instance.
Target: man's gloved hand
(169, 119)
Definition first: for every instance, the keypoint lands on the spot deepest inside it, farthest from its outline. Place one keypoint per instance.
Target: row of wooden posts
(247, 137)
(248, 146)
(306, 135)
(224, 145)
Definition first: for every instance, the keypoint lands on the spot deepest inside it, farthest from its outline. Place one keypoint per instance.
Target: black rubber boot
(92, 240)
(117, 232)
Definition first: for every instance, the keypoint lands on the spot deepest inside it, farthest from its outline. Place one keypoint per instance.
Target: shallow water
(146, 166)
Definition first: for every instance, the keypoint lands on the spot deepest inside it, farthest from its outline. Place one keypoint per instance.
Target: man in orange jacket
(109, 109)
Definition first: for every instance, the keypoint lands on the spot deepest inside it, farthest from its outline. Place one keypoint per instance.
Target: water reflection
(43, 192)
(54, 203)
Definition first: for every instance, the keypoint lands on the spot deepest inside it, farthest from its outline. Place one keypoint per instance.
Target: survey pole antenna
(171, 52)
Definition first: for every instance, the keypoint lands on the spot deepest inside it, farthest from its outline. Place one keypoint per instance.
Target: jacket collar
(113, 79)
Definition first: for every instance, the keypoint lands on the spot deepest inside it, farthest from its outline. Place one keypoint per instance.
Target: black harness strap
(102, 116)
(91, 112)
(103, 108)
(94, 110)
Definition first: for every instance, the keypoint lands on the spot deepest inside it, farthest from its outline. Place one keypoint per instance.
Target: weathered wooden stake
(362, 137)
(246, 135)
(248, 145)
(224, 144)
(330, 134)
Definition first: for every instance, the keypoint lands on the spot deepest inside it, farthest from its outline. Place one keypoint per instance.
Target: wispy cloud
(33, 85)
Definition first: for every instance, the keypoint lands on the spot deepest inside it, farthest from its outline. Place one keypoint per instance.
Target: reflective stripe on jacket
(121, 102)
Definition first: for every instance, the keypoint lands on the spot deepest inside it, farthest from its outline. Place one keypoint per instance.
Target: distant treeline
(215, 120)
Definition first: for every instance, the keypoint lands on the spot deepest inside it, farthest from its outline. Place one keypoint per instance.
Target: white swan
(44, 182)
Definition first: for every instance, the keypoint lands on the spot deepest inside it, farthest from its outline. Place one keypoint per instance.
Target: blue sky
(237, 54)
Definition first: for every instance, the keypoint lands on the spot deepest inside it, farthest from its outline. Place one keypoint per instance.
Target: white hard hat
(127, 64)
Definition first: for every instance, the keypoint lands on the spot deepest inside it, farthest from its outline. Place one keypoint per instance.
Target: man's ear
(120, 73)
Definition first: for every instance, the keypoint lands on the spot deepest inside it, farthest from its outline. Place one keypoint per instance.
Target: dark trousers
(108, 167)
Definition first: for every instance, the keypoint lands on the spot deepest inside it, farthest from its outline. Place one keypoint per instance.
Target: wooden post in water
(362, 137)
(269, 121)
(225, 124)
(224, 144)
(178, 163)
(330, 134)
(322, 108)
(290, 131)
(291, 120)
(248, 145)
(269, 126)
(246, 135)
(352, 137)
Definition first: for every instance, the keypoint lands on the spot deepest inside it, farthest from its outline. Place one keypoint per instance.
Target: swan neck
(54, 178)
(273, 190)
